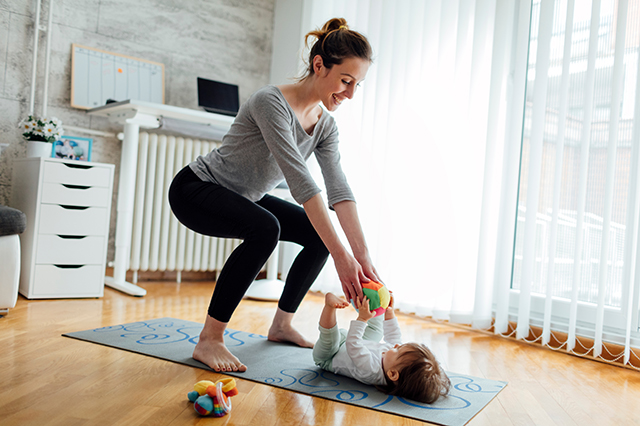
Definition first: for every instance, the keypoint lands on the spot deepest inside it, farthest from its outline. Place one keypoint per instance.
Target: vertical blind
(576, 234)
(493, 151)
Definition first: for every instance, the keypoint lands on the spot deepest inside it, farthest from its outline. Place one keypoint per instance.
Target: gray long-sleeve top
(266, 144)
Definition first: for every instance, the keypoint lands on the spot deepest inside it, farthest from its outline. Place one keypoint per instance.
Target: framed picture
(72, 148)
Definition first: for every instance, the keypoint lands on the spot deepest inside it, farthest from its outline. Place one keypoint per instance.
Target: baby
(407, 370)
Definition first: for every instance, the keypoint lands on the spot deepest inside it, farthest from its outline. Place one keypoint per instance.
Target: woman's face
(340, 81)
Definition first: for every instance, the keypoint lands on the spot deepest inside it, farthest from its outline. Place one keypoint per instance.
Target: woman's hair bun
(334, 43)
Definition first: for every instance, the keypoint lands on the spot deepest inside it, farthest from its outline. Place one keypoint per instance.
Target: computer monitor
(220, 98)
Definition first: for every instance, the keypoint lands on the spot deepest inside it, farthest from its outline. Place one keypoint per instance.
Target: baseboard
(186, 276)
(612, 354)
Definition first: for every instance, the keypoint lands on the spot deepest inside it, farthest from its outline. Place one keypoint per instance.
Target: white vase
(39, 149)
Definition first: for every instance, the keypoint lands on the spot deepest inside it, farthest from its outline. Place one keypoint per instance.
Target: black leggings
(210, 209)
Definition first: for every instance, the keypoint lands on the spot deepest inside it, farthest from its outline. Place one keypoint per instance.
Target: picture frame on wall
(72, 148)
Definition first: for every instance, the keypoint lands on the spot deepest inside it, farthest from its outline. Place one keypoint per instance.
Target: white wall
(216, 39)
(287, 41)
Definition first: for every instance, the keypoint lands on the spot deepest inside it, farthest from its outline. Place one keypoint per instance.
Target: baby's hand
(364, 314)
(390, 313)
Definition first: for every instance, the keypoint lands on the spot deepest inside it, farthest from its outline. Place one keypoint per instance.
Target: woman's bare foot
(217, 356)
(282, 331)
(211, 350)
(333, 301)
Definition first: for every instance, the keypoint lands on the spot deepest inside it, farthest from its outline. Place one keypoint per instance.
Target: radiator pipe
(36, 36)
(45, 92)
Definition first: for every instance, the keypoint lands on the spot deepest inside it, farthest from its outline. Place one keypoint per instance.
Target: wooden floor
(47, 379)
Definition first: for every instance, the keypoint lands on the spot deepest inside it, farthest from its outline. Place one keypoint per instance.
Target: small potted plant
(40, 134)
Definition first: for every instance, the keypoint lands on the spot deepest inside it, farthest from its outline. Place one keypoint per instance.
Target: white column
(126, 192)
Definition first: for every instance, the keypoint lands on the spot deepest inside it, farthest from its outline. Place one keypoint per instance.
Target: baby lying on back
(408, 370)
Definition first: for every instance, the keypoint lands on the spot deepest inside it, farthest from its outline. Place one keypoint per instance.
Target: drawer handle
(66, 185)
(68, 266)
(77, 166)
(68, 207)
(72, 237)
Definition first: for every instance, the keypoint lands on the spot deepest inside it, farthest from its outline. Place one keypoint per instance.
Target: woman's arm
(349, 270)
(350, 223)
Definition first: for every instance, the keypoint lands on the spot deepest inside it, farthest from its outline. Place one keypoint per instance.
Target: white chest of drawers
(68, 204)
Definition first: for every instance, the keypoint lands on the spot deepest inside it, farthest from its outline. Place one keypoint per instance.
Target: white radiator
(159, 242)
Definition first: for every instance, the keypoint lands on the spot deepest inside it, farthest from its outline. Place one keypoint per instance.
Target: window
(578, 176)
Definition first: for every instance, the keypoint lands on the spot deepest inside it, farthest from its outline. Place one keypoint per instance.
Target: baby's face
(391, 358)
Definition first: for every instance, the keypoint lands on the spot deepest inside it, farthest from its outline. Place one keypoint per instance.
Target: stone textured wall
(226, 40)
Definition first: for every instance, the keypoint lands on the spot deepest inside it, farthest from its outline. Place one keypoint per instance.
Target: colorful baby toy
(213, 398)
(378, 295)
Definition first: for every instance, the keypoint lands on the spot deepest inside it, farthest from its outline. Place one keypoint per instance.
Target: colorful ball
(378, 295)
(204, 405)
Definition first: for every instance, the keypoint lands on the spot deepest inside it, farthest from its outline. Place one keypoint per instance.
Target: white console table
(134, 115)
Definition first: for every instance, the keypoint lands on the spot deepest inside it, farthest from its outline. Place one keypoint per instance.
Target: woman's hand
(351, 275)
(367, 267)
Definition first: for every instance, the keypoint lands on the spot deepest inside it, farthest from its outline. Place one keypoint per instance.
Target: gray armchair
(12, 223)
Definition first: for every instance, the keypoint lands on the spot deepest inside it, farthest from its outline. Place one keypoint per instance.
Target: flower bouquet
(42, 129)
(40, 133)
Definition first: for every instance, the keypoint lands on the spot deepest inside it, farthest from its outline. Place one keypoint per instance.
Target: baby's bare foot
(288, 334)
(217, 356)
(333, 301)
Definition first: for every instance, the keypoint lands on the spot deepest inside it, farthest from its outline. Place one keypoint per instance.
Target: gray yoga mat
(292, 368)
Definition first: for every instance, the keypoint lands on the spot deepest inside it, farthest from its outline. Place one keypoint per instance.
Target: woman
(224, 194)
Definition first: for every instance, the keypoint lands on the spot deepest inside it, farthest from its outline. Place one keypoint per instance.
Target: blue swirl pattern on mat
(147, 333)
(305, 377)
(415, 404)
(343, 395)
(150, 333)
(311, 378)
